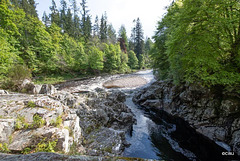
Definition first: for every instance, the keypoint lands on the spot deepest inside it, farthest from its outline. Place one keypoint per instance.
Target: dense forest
(67, 41)
(199, 41)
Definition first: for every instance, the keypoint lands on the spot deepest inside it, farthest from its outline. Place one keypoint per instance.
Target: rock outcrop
(27, 120)
(212, 112)
(57, 157)
(92, 122)
(29, 87)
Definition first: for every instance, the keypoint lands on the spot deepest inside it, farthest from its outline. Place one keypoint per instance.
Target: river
(158, 136)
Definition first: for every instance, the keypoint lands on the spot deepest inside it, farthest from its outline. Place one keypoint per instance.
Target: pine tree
(63, 12)
(32, 8)
(138, 39)
(76, 20)
(111, 34)
(96, 27)
(69, 27)
(122, 38)
(86, 27)
(45, 19)
(132, 37)
(103, 29)
(54, 15)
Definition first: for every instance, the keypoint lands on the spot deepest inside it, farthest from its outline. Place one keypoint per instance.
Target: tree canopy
(199, 41)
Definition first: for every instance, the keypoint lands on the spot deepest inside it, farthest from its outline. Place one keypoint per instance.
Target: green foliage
(26, 150)
(31, 104)
(63, 44)
(199, 41)
(44, 146)
(16, 74)
(95, 59)
(37, 121)
(57, 122)
(132, 60)
(4, 148)
(112, 57)
(21, 123)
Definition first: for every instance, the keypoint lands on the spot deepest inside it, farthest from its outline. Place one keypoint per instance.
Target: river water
(156, 136)
(148, 139)
(159, 137)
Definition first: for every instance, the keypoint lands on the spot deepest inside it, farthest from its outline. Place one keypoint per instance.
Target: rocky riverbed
(76, 117)
(211, 112)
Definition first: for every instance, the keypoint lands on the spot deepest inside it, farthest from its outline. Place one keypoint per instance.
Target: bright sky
(121, 12)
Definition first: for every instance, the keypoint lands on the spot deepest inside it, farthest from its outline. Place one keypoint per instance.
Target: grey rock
(48, 89)
(230, 106)
(209, 113)
(154, 104)
(3, 92)
(25, 82)
(43, 156)
(236, 142)
(6, 129)
(102, 116)
(26, 138)
(36, 89)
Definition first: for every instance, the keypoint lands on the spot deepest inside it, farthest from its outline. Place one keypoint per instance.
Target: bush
(38, 121)
(46, 146)
(57, 122)
(15, 77)
(4, 148)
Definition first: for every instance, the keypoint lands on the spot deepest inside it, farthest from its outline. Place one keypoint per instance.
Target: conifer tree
(54, 15)
(103, 28)
(96, 27)
(63, 12)
(45, 19)
(138, 39)
(122, 38)
(86, 26)
(111, 34)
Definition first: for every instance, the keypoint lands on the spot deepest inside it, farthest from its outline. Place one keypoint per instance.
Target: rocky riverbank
(213, 113)
(73, 120)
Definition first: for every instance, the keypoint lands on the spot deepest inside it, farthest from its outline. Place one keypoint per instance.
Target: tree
(63, 12)
(54, 15)
(45, 19)
(96, 27)
(76, 20)
(69, 24)
(202, 41)
(147, 48)
(112, 58)
(95, 59)
(103, 28)
(111, 34)
(122, 38)
(158, 52)
(86, 25)
(32, 8)
(132, 60)
(138, 39)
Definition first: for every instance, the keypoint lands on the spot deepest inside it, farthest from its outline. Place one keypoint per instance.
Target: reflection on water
(149, 140)
(164, 137)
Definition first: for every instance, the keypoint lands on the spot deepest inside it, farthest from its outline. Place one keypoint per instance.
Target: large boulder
(3, 92)
(47, 89)
(57, 157)
(6, 129)
(211, 112)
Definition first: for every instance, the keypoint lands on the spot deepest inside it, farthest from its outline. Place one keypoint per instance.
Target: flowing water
(156, 135)
(161, 137)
